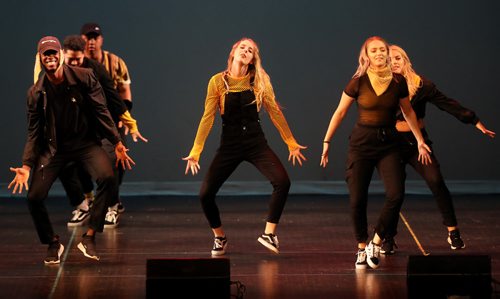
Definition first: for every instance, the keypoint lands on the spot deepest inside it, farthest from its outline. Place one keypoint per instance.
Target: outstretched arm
(339, 114)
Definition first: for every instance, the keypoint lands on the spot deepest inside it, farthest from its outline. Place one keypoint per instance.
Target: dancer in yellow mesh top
(239, 93)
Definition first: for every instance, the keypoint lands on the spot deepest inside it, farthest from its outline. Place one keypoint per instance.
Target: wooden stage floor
(316, 237)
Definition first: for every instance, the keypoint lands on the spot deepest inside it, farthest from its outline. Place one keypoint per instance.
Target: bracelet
(326, 141)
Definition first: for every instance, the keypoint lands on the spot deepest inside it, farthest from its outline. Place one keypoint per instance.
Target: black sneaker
(80, 217)
(220, 245)
(54, 253)
(361, 259)
(388, 246)
(111, 220)
(455, 240)
(270, 241)
(120, 208)
(373, 255)
(87, 246)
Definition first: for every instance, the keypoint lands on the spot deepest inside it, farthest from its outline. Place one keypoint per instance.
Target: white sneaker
(80, 217)
(361, 259)
(373, 255)
(220, 245)
(111, 220)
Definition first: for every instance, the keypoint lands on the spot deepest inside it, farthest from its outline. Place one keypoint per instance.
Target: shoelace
(219, 243)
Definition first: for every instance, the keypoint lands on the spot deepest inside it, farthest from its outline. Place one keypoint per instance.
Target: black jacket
(115, 103)
(41, 142)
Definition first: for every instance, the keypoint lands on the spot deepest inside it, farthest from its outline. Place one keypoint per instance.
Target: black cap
(91, 28)
(48, 43)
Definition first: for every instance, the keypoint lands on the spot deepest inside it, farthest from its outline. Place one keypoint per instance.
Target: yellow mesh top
(215, 100)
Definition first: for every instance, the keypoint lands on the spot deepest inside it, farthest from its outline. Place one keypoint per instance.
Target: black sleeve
(35, 129)
(115, 104)
(352, 88)
(105, 123)
(402, 85)
(449, 105)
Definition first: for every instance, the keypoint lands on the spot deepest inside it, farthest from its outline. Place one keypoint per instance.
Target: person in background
(239, 93)
(373, 143)
(76, 182)
(117, 69)
(423, 91)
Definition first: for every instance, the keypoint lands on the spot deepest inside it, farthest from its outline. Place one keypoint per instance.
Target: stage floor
(316, 238)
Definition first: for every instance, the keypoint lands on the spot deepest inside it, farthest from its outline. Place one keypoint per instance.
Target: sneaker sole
(81, 223)
(82, 249)
(110, 225)
(219, 253)
(371, 264)
(453, 247)
(361, 267)
(387, 252)
(268, 246)
(59, 253)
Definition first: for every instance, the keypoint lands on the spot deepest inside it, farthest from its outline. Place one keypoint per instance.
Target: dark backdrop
(309, 48)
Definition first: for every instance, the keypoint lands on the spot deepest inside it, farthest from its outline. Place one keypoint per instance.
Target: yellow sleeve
(129, 122)
(278, 118)
(207, 120)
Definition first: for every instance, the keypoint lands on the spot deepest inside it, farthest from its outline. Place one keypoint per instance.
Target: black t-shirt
(373, 110)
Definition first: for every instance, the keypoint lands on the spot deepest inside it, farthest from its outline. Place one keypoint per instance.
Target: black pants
(372, 148)
(225, 162)
(77, 181)
(96, 162)
(433, 177)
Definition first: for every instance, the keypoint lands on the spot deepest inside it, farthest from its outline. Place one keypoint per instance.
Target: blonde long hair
(260, 77)
(413, 80)
(364, 61)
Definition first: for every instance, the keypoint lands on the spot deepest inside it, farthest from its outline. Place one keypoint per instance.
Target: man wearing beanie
(65, 109)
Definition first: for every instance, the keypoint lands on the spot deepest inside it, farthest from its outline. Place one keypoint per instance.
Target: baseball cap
(48, 43)
(91, 28)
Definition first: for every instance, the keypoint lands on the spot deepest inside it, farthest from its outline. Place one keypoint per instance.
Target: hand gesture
(20, 180)
(296, 155)
(424, 155)
(324, 155)
(136, 135)
(122, 157)
(192, 165)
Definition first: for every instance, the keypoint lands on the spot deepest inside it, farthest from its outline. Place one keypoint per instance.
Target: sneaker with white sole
(111, 220)
(54, 253)
(270, 241)
(388, 246)
(373, 255)
(87, 246)
(80, 217)
(220, 245)
(361, 259)
(455, 240)
(120, 208)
